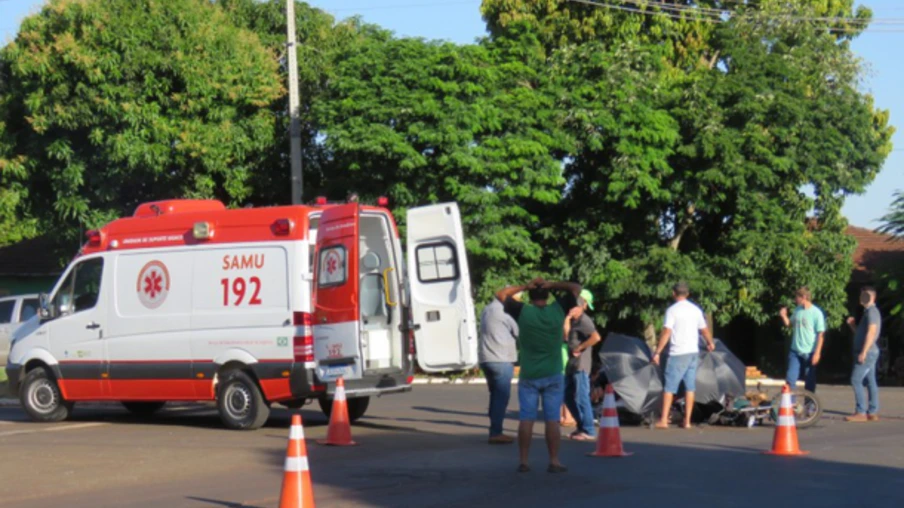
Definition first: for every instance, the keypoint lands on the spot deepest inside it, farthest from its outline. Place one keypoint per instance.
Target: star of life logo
(153, 284)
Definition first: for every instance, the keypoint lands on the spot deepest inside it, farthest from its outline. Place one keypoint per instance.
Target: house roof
(875, 249)
(37, 257)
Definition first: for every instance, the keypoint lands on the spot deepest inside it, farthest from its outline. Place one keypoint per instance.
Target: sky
(460, 21)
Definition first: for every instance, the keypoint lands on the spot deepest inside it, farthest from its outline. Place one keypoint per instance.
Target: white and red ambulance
(189, 301)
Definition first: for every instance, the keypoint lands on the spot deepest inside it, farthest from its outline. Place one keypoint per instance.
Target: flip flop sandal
(556, 469)
(523, 468)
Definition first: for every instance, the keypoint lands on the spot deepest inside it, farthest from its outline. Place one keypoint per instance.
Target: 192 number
(238, 288)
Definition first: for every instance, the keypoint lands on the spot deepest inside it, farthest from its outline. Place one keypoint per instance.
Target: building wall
(24, 285)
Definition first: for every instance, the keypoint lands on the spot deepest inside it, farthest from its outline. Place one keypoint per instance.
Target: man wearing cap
(540, 339)
(684, 323)
(582, 336)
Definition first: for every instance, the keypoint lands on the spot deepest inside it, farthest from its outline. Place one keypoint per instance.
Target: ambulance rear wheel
(143, 409)
(41, 398)
(356, 407)
(240, 402)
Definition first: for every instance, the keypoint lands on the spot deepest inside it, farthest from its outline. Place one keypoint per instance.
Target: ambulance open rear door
(442, 308)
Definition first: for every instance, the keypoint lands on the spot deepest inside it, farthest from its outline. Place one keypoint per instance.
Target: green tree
(430, 121)
(110, 103)
(703, 175)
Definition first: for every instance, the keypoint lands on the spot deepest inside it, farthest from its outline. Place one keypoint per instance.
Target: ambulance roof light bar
(383, 201)
(95, 238)
(320, 200)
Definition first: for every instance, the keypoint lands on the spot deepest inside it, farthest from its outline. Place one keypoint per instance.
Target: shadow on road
(226, 504)
(427, 469)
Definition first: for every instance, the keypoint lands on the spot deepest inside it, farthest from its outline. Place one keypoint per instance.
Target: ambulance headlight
(202, 231)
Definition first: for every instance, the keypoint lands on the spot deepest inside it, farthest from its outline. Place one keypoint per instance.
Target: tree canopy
(711, 141)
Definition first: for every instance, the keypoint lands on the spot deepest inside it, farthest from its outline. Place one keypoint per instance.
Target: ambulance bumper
(373, 386)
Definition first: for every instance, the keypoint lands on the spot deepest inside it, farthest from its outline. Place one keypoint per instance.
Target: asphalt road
(428, 448)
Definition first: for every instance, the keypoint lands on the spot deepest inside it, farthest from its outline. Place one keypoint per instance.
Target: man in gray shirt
(581, 335)
(497, 353)
(866, 356)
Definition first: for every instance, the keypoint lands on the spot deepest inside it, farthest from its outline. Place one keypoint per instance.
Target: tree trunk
(649, 335)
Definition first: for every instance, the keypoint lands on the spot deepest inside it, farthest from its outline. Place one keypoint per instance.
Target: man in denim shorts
(540, 339)
(684, 323)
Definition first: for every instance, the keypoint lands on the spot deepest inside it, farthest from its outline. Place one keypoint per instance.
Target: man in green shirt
(540, 339)
(808, 325)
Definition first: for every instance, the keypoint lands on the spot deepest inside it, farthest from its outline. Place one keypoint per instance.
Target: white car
(14, 310)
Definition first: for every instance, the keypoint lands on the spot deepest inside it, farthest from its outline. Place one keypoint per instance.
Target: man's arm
(571, 287)
(708, 335)
(783, 313)
(820, 338)
(868, 343)
(663, 340)
(587, 344)
(507, 292)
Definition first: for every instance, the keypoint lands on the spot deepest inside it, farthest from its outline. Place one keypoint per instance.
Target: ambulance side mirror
(47, 311)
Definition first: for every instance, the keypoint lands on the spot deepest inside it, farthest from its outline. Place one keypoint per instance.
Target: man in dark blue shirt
(866, 356)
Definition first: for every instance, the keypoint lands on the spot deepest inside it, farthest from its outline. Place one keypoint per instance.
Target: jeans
(799, 366)
(499, 384)
(577, 398)
(865, 374)
(681, 368)
(551, 388)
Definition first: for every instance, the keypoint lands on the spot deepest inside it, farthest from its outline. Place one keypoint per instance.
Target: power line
(712, 20)
(400, 6)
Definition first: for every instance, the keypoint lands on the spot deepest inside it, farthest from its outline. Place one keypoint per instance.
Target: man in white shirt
(684, 323)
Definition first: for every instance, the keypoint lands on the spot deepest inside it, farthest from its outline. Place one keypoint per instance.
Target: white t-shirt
(685, 320)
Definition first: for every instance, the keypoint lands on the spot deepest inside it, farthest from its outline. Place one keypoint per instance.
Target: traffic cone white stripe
(786, 421)
(609, 401)
(340, 394)
(296, 464)
(296, 432)
(786, 400)
(609, 422)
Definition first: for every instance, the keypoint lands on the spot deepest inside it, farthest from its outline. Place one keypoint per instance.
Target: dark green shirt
(540, 337)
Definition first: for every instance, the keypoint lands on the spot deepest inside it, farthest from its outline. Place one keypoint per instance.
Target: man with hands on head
(540, 339)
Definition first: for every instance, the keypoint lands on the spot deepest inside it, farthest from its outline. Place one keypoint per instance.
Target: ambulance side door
(442, 307)
(336, 317)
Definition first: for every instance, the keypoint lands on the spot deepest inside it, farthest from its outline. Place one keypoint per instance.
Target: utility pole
(294, 113)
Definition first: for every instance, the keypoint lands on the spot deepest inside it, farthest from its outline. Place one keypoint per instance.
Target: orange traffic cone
(609, 442)
(340, 430)
(297, 491)
(785, 440)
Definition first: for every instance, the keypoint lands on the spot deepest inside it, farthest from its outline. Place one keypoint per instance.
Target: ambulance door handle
(92, 326)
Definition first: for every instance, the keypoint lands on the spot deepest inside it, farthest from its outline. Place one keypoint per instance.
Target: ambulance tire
(143, 409)
(356, 407)
(41, 397)
(240, 402)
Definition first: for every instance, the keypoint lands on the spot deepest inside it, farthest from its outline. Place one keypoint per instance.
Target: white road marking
(53, 429)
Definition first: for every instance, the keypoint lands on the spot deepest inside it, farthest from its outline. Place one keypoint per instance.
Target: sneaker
(872, 418)
(501, 439)
(856, 418)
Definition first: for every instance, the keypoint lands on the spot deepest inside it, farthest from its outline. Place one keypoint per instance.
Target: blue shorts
(551, 388)
(681, 368)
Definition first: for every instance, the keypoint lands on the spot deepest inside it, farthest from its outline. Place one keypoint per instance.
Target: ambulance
(190, 301)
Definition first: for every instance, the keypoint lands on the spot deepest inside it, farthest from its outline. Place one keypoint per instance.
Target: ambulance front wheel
(41, 398)
(240, 402)
(356, 407)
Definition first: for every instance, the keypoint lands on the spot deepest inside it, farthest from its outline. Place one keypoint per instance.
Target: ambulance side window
(436, 262)
(81, 289)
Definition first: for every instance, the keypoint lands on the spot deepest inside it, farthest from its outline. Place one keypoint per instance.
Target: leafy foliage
(107, 104)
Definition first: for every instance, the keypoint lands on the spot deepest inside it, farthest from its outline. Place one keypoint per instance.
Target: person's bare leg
(553, 440)
(666, 408)
(525, 433)
(688, 409)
